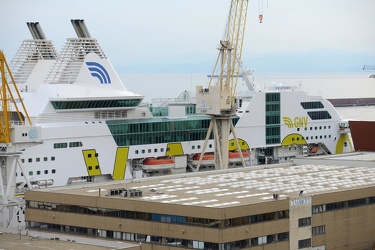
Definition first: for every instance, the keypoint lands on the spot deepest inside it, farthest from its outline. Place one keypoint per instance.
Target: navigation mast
(218, 99)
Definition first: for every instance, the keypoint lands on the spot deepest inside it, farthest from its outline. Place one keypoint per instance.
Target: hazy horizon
(181, 36)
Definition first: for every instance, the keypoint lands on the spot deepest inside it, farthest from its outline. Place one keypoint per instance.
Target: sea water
(329, 86)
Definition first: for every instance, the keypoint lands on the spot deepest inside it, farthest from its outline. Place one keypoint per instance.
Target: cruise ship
(92, 128)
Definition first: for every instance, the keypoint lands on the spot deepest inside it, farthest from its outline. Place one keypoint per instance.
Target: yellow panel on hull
(120, 163)
(340, 143)
(92, 162)
(174, 149)
(233, 146)
(293, 139)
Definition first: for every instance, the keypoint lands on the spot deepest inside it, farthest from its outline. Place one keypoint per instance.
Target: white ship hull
(91, 125)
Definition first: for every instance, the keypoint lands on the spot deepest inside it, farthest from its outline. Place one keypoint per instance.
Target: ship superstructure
(93, 128)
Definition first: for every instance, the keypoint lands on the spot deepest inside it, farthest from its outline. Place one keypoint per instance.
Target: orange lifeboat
(314, 150)
(209, 158)
(157, 163)
(235, 156)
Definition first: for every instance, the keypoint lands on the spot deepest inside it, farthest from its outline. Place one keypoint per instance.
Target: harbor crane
(16, 133)
(218, 99)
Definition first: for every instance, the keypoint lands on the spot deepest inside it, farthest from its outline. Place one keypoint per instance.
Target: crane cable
(260, 10)
(260, 6)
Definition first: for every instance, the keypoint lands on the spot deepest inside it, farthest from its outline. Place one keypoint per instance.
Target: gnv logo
(299, 122)
(98, 71)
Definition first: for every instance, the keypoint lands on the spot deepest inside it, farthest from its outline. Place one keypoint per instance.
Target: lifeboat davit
(209, 158)
(150, 164)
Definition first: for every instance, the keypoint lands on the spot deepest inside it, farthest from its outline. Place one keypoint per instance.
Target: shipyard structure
(316, 203)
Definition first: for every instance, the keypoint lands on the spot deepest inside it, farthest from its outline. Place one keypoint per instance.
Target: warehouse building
(284, 206)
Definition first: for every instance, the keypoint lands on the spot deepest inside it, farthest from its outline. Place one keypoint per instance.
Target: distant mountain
(318, 60)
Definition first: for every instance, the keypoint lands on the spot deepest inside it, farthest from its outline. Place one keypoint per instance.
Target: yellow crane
(14, 126)
(7, 96)
(218, 99)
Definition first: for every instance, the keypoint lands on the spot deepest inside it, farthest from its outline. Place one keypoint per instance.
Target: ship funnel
(36, 30)
(80, 28)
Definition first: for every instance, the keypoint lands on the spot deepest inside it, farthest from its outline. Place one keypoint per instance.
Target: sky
(168, 36)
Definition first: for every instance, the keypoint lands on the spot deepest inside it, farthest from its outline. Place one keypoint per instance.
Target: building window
(303, 222)
(38, 172)
(30, 160)
(318, 209)
(318, 230)
(52, 158)
(45, 159)
(136, 152)
(37, 159)
(304, 243)
(45, 171)
(30, 173)
(53, 171)
(262, 240)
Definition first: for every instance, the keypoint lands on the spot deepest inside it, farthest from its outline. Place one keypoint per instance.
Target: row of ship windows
(38, 159)
(316, 128)
(39, 172)
(311, 137)
(143, 151)
(74, 144)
